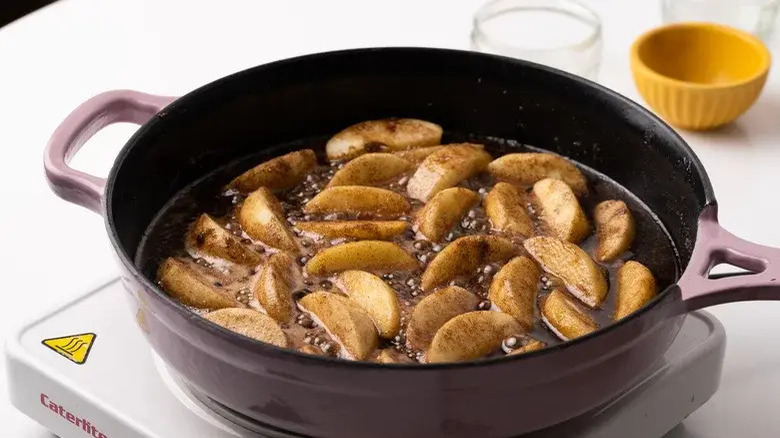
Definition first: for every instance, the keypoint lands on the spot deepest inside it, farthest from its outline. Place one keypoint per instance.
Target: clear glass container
(754, 16)
(563, 34)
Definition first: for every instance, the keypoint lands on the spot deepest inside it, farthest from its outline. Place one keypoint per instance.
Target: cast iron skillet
(292, 394)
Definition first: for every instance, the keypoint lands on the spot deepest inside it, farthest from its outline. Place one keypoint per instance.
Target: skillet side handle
(715, 245)
(79, 126)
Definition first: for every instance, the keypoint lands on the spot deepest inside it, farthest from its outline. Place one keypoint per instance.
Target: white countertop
(56, 58)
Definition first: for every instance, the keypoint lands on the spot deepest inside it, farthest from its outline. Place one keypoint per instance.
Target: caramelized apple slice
(261, 217)
(358, 199)
(615, 227)
(310, 349)
(464, 256)
(444, 210)
(375, 297)
(370, 170)
(582, 276)
(505, 208)
(528, 168)
(471, 336)
(446, 168)
(279, 173)
(636, 287)
(346, 322)
(208, 239)
(360, 230)
(417, 155)
(396, 134)
(514, 290)
(274, 286)
(390, 355)
(251, 324)
(564, 317)
(530, 345)
(560, 210)
(366, 255)
(189, 287)
(434, 311)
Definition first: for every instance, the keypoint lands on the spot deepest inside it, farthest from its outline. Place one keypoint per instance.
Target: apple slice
(417, 155)
(434, 311)
(615, 227)
(345, 321)
(360, 230)
(395, 134)
(262, 218)
(208, 239)
(505, 208)
(561, 212)
(471, 335)
(531, 345)
(251, 324)
(446, 168)
(464, 256)
(310, 349)
(190, 288)
(390, 356)
(365, 255)
(444, 210)
(278, 173)
(274, 286)
(528, 168)
(565, 318)
(582, 276)
(375, 297)
(514, 290)
(358, 199)
(370, 170)
(636, 287)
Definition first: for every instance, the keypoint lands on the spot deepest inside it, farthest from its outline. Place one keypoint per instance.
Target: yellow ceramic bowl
(699, 75)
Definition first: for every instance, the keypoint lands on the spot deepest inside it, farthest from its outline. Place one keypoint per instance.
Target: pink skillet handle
(79, 126)
(715, 245)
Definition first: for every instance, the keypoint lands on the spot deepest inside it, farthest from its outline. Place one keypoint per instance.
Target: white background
(51, 61)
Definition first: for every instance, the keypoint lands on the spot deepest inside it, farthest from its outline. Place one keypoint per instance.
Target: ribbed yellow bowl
(699, 75)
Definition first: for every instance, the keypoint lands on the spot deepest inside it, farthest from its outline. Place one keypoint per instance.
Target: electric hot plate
(86, 370)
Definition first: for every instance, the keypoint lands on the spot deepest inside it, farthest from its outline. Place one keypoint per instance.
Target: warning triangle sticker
(75, 348)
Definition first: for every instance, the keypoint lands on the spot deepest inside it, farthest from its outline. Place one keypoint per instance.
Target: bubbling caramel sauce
(166, 236)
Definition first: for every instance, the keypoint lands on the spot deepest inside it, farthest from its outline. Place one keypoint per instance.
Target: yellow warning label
(74, 347)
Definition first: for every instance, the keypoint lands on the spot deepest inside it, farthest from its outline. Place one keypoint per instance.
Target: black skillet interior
(469, 94)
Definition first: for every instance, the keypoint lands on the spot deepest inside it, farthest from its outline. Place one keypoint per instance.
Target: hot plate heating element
(86, 370)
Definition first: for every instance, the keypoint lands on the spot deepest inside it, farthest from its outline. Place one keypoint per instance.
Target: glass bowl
(753, 16)
(563, 34)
